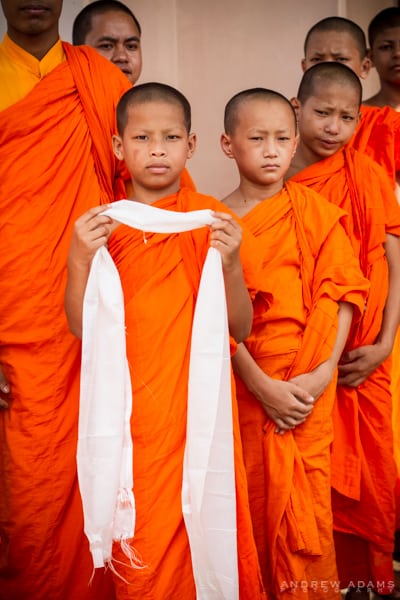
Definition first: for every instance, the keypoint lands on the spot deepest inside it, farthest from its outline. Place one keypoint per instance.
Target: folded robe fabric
(363, 471)
(105, 448)
(56, 162)
(309, 266)
(378, 136)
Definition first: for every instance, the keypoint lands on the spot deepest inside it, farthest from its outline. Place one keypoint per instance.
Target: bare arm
(285, 403)
(317, 380)
(91, 231)
(359, 363)
(226, 237)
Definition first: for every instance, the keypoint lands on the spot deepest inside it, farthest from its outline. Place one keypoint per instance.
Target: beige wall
(214, 48)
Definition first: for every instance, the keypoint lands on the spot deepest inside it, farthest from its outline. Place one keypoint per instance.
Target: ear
(296, 144)
(295, 102)
(226, 145)
(366, 65)
(117, 147)
(303, 65)
(192, 143)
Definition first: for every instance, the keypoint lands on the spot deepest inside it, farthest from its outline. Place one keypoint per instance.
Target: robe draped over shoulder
(56, 162)
(309, 266)
(363, 469)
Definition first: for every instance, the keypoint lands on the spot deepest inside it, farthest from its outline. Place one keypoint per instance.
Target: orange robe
(378, 136)
(309, 266)
(160, 275)
(363, 469)
(56, 162)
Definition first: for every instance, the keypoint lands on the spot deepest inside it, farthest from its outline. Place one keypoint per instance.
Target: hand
(91, 231)
(4, 391)
(286, 404)
(226, 237)
(317, 380)
(358, 364)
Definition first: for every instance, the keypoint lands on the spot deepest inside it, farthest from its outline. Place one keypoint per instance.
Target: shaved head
(339, 24)
(232, 109)
(326, 73)
(83, 22)
(152, 92)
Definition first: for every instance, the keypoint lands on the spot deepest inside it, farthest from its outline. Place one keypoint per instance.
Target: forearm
(345, 316)
(247, 369)
(74, 295)
(391, 313)
(239, 305)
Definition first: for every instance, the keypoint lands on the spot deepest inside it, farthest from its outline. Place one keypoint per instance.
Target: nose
(158, 150)
(120, 54)
(396, 48)
(270, 148)
(332, 124)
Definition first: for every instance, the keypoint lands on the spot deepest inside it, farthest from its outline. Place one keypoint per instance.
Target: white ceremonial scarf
(105, 452)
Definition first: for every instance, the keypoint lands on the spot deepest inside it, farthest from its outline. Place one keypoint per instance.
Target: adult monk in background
(378, 133)
(111, 28)
(286, 369)
(57, 113)
(363, 468)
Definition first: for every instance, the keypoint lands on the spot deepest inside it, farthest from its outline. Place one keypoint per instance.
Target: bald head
(324, 74)
(152, 92)
(340, 25)
(232, 109)
(83, 21)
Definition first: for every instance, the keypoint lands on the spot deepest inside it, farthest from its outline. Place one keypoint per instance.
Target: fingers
(4, 390)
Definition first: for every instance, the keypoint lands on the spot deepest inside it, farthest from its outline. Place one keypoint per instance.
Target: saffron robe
(309, 266)
(160, 275)
(56, 162)
(378, 136)
(363, 469)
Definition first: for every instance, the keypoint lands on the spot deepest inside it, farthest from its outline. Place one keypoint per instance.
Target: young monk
(160, 276)
(363, 469)
(378, 132)
(285, 371)
(384, 43)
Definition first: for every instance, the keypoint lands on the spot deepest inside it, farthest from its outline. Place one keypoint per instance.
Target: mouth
(157, 168)
(329, 143)
(270, 167)
(34, 9)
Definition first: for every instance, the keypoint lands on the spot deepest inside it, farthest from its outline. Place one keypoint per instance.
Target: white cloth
(105, 445)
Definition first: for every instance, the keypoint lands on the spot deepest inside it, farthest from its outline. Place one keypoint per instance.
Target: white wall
(214, 48)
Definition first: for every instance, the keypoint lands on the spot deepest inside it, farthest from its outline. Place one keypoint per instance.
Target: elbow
(241, 330)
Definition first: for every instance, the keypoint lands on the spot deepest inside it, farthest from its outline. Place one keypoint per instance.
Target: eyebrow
(109, 38)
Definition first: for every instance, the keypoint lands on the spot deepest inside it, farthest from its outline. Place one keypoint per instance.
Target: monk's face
(115, 35)
(263, 141)
(155, 146)
(335, 46)
(385, 54)
(327, 120)
(32, 17)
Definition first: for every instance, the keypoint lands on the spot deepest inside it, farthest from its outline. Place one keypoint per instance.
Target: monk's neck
(247, 196)
(150, 196)
(301, 160)
(37, 45)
